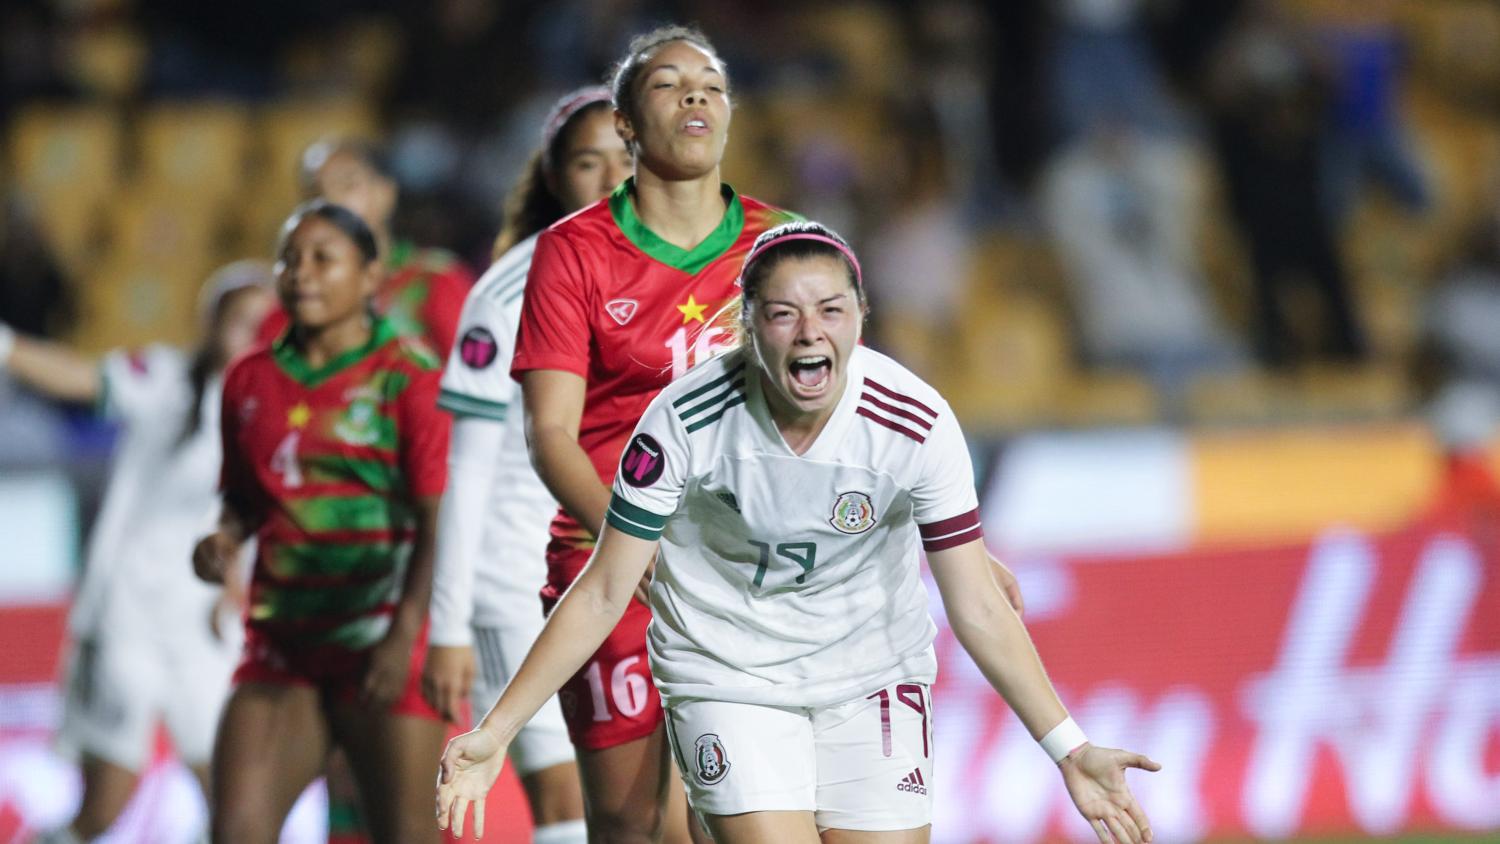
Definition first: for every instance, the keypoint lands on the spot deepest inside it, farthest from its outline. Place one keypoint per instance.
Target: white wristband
(7, 343)
(1064, 739)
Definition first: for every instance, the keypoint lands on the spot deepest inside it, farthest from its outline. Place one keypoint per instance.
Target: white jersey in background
(492, 535)
(145, 649)
(791, 580)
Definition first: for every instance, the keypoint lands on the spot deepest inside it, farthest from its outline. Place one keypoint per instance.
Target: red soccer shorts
(337, 672)
(613, 700)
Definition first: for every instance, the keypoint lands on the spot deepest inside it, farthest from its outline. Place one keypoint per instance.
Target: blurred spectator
(1104, 67)
(1367, 141)
(918, 255)
(1269, 106)
(1462, 340)
(1123, 207)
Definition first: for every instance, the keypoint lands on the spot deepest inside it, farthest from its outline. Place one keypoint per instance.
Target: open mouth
(811, 372)
(697, 126)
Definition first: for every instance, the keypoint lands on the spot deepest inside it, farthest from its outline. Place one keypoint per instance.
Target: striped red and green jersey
(611, 301)
(423, 296)
(330, 463)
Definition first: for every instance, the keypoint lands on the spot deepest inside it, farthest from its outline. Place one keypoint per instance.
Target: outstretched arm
(50, 368)
(992, 633)
(588, 611)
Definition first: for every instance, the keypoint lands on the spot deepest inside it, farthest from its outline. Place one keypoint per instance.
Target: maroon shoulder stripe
(900, 398)
(893, 425)
(952, 532)
(901, 412)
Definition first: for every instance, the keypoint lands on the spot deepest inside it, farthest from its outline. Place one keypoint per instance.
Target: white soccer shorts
(120, 687)
(861, 765)
(498, 652)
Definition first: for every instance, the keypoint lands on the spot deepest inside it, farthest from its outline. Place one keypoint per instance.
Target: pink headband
(563, 111)
(816, 238)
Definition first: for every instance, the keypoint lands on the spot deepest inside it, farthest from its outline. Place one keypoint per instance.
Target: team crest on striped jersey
(359, 425)
(853, 513)
(621, 310)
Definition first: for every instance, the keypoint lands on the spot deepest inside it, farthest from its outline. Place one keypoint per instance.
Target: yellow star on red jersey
(692, 310)
(299, 415)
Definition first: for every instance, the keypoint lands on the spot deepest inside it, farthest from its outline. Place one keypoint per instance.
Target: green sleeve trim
(628, 518)
(459, 404)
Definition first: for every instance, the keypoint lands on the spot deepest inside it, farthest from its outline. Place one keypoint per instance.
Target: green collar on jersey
(689, 261)
(401, 252)
(291, 361)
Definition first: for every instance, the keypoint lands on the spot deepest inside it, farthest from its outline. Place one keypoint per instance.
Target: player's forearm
(472, 457)
(569, 474)
(416, 591)
(55, 370)
(988, 628)
(584, 617)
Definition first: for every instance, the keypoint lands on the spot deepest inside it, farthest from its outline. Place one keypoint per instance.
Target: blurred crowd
(1073, 212)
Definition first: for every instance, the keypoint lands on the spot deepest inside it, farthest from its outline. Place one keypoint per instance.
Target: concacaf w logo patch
(853, 513)
(711, 760)
(643, 462)
(621, 310)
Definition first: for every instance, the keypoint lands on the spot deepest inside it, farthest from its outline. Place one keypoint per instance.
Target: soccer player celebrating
(617, 305)
(785, 490)
(333, 461)
(147, 645)
(492, 535)
(422, 290)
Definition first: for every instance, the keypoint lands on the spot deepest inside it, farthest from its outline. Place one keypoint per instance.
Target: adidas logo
(913, 783)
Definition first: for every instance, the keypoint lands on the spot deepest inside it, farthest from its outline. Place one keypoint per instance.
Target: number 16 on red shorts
(865, 764)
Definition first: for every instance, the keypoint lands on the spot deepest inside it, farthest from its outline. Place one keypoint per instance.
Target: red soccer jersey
(422, 296)
(611, 301)
(330, 462)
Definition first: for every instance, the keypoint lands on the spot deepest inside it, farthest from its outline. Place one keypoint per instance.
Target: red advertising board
(1348, 686)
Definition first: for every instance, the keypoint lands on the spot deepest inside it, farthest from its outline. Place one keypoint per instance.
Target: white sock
(564, 832)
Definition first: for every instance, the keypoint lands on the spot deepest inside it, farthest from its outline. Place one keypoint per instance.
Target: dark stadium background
(1261, 548)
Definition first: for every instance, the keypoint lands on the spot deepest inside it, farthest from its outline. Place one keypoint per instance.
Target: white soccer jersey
(793, 580)
(161, 497)
(479, 575)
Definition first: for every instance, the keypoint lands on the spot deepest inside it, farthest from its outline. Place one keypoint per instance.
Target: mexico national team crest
(853, 513)
(643, 462)
(711, 760)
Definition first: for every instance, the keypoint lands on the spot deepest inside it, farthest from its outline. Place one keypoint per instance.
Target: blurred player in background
(422, 291)
(786, 489)
(492, 540)
(150, 643)
(421, 295)
(617, 306)
(333, 461)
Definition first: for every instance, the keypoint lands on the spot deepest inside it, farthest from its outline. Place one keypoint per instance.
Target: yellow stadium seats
(160, 229)
(66, 154)
(289, 128)
(126, 304)
(196, 150)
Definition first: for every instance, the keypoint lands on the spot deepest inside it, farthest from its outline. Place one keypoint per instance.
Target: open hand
(470, 765)
(1095, 777)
